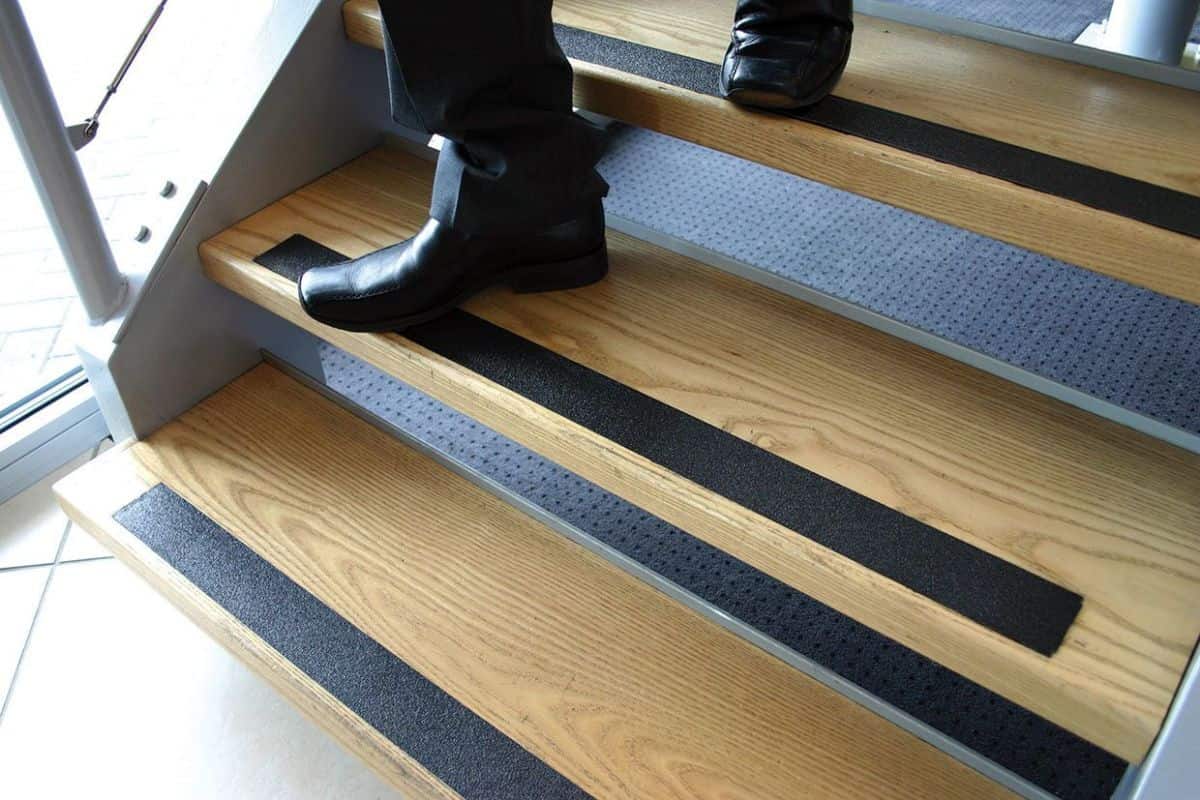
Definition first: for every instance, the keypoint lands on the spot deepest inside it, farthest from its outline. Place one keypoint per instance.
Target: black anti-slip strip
(995, 593)
(459, 747)
(1097, 188)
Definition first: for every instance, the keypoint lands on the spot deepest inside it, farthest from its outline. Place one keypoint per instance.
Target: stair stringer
(182, 337)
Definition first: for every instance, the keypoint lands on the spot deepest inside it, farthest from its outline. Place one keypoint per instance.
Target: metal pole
(41, 135)
(1156, 30)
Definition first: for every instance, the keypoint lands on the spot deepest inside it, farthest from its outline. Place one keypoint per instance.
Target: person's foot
(420, 279)
(786, 54)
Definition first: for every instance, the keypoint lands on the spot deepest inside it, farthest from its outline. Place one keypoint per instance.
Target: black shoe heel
(559, 275)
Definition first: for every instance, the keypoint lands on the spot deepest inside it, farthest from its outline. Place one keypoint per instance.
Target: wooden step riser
(544, 641)
(976, 457)
(1106, 242)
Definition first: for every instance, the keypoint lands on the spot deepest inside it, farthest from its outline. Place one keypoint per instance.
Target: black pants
(489, 76)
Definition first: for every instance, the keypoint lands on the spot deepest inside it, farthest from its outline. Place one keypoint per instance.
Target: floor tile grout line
(37, 611)
(86, 560)
(22, 567)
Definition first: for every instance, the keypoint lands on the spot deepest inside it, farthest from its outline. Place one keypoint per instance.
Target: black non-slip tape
(463, 750)
(1097, 188)
(1002, 596)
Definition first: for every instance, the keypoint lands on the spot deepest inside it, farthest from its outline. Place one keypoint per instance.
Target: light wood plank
(95, 492)
(614, 684)
(1101, 241)
(1102, 510)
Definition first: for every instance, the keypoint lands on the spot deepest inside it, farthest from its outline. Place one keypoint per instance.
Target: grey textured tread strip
(1139, 200)
(998, 594)
(459, 747)
(1063, 20)
(1057, 19)
(1001, 731)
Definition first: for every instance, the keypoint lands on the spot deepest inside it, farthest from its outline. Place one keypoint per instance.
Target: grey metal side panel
(185, 337)
(1172, 769)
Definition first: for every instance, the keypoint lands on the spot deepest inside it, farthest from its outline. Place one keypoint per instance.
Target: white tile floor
(111, 692)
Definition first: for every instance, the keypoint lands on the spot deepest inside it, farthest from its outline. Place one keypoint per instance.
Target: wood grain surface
(618, 687)
(1102, 510)
(1105, 242)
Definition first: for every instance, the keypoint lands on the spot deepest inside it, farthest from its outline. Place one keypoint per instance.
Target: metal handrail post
(1157, 30)
(41, 136)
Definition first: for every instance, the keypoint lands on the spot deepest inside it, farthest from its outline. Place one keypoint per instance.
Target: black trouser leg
(489, 76)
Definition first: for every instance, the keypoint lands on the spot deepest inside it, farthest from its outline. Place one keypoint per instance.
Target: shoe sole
(551, 276)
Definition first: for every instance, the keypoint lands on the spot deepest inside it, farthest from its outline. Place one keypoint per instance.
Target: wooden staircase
(569, 676)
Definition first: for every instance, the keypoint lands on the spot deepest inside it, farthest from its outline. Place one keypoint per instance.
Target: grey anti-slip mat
(463, 750)
(1000, 595)
(1107, 191)
(1063, 20)
(1011, 736)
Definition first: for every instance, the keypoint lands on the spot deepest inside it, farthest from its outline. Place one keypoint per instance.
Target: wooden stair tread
(616, 686)
(1123, 125)
(1099, 509)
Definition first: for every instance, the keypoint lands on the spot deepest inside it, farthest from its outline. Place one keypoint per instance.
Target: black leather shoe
(786, 54)
(436, 270)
